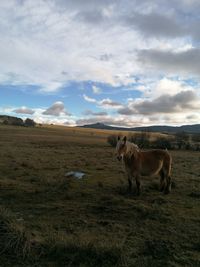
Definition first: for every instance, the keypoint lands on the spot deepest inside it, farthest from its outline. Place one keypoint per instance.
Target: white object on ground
(75, 174)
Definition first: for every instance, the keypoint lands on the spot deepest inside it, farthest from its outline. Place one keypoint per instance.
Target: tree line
(9, 120)
(178, 141)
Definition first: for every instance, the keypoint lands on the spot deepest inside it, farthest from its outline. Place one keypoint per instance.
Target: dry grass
(93, 221)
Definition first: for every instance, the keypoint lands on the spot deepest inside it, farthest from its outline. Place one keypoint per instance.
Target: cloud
(94, 16)
(56, 109)
(169, 86)
(96, 90)
(186, 62)
(106, 103)
(53, 120)
(89, 112)
(105, 57)
(89, 99)
(24, 110)
(181, 102)
(105, 120)
(54, 30)
(122, 121)
(126, 111)
(151, 88)
(49, 33)
(156, 25)
(58, 29)
(109, 104)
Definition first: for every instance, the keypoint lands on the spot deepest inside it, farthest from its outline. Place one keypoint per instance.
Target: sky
(118, 62)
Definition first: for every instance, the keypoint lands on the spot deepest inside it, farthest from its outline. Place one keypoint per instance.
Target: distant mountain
(157, 128)
(103, 126)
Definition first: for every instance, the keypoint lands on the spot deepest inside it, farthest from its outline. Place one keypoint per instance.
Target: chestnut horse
(144, 163)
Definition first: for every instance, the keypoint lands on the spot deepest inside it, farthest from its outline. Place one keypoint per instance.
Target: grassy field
(48, 219)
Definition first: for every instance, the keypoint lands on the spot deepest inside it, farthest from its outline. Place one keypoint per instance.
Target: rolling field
(48, 219)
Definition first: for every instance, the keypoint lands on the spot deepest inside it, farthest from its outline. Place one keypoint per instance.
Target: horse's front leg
(168, 186)
(138, 184)
(129, 183)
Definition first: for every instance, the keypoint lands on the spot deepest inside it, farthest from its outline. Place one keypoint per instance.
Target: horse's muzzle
(119, 158)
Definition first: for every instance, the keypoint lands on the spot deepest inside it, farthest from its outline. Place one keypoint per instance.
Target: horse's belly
(151, 170)
(146, 173)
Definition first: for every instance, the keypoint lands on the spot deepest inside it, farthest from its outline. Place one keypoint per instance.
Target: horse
(144, 163)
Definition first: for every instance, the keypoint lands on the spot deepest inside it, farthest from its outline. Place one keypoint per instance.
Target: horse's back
(154, 154)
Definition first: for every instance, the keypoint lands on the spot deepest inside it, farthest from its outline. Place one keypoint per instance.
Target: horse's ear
(118, 138)
(124, 139)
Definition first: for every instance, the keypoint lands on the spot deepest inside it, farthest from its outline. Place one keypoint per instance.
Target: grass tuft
(15, 241)
(84, 253)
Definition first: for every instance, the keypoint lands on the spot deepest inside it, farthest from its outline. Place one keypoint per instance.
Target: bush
(112, 140)
(188, 146)
(5, 122)
(162, 143)
(196, 138)
(197, 147)
(15, 121)
(181, 139)
(29, 123)
(140, 139)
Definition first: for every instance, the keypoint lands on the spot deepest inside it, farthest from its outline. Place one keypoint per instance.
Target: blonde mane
(131, 149)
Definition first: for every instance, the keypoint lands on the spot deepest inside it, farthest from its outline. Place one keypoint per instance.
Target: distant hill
(157, 128)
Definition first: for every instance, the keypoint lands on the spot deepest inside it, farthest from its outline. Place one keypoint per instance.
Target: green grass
(47, 219)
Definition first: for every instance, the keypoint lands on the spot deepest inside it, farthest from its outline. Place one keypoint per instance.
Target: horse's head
(121, 147)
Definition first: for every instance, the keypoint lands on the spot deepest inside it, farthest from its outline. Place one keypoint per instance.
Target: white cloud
(24, 110)
(56, 121)
(147, 120)
(175, 63)
(109, 104)
(64, 118)
(184, 103)
(96, 90)
(106, 103)
(48, 43)
(56, 109)
(89, 99)
(156, 25)
(169, 86)
(90, 112)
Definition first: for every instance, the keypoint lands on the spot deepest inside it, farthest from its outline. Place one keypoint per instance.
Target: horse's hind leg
(162, 180)
(167, 170)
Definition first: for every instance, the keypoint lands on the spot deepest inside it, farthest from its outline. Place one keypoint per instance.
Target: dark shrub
(188, 146)
(196, 138)
(5, 122)
(112, 140)
(181, 139)
(29, 123)
(16, 121)
(162, 143)
(141, 139)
